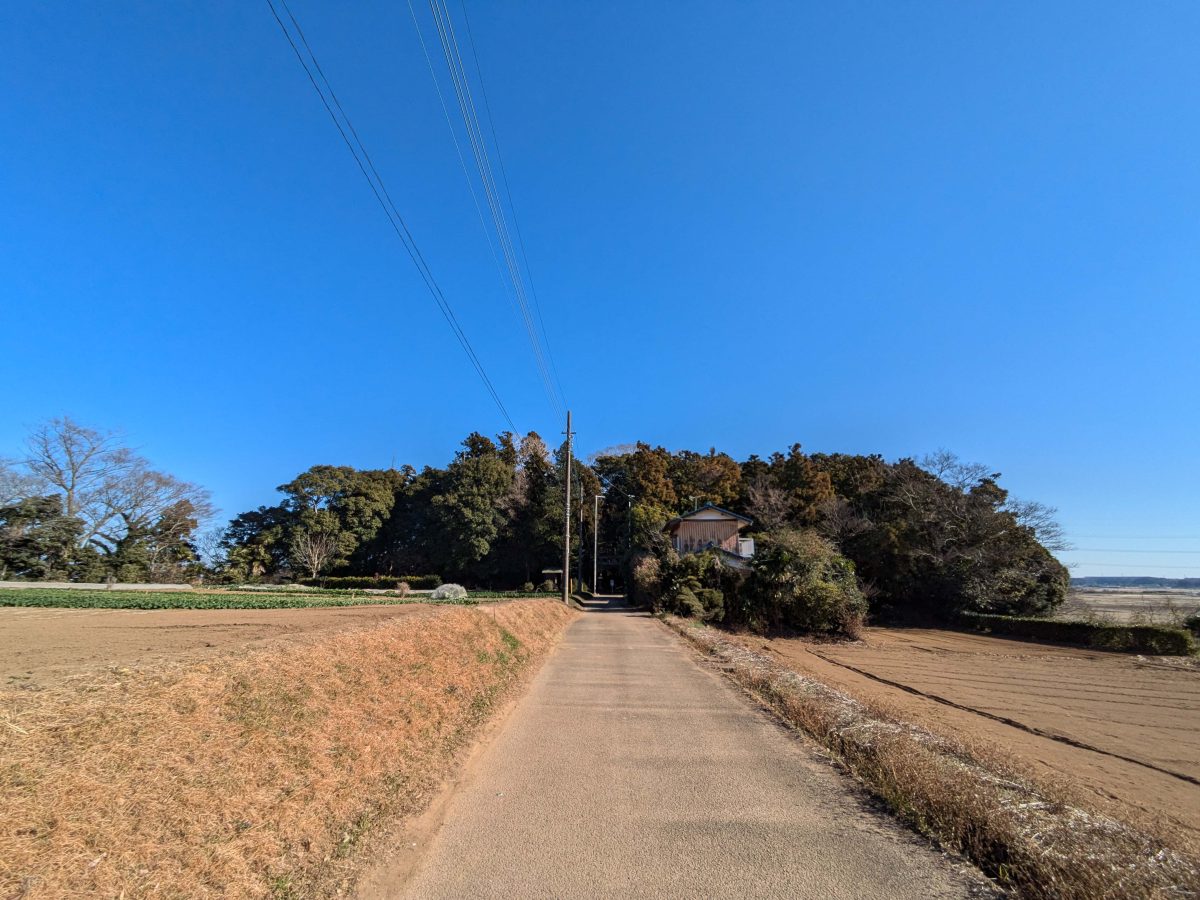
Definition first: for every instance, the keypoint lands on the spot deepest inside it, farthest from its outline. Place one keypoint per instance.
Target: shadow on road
(606, 603)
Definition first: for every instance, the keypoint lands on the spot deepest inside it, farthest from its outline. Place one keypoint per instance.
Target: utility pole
(566, 566)
(579, 557)
(595, 543)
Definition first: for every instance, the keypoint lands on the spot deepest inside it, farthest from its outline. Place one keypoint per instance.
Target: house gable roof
(708, 507)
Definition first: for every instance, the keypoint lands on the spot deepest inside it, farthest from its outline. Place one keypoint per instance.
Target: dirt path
(1122, 729)
(629, 770)
(41, 646)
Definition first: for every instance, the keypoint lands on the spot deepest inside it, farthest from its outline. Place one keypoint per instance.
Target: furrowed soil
(1121, 732)
(263, 759)
(43, 646)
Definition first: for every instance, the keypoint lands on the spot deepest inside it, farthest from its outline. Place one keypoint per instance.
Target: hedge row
(376, 582)
(1161, 640)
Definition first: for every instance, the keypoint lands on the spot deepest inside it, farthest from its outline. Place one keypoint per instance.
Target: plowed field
(1123, 730)
(42, 646)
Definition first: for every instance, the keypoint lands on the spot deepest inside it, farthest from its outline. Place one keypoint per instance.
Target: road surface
(630, 770)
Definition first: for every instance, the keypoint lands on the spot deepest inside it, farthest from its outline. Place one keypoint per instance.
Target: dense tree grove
(492, 518)
(839, 536)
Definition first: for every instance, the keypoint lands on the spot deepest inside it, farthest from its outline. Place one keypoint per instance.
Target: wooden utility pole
(566, 567)
(595, 544)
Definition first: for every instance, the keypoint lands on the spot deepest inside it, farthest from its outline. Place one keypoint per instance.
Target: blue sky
(868, 227)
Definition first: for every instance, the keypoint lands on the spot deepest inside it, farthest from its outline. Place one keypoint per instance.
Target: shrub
(547, 586)
(800, 583)
(527, 587)
(1192, 624)
(687, 604)
(645, 580)
(1154, 639)
(713, 603)
(376, 582)
(403, 588)
(449, 592)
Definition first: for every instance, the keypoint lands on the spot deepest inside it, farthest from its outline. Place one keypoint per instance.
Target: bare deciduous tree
(767, 503)
(16, 485)
(313, 550)
(109, 487)
(840, 521)
(80, 463)
(952, 470)
(1041, 519)
(211, 547)
(141, 498)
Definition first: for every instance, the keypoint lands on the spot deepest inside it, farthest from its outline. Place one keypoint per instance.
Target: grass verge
(255, 776)
(970, 800)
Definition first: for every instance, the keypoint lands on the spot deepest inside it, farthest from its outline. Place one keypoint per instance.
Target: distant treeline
(1127, 581)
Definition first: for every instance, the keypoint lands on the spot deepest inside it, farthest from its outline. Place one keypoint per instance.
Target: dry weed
(250, 777)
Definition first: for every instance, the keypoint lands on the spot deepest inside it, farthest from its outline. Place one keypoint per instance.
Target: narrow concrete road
(630, 770)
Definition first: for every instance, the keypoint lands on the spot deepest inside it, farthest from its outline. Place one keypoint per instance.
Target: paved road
(629, 770)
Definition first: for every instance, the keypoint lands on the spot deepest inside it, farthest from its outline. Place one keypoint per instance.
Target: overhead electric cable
(437, 86)
(462, 86)
(1115, 550)
(379, 189)
(475, 136)
(487, 109)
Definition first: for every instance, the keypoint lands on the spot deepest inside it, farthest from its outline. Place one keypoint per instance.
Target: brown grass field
(1162, 606)
(232, 753)
(1121, 731)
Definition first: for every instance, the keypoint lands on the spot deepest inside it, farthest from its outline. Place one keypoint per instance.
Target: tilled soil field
(1122, 730)
(39, 647)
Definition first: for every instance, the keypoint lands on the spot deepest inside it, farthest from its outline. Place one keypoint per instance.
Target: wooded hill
(838, 534)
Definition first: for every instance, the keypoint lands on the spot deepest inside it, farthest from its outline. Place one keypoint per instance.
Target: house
(710, 528)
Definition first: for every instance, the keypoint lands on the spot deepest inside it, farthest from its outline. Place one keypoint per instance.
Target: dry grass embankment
(254, 776)
(971, 799)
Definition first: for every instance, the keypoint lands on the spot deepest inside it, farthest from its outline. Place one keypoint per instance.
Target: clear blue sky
(869, 227)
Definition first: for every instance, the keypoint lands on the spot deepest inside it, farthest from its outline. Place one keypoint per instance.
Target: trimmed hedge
(376, 582)
(1161, 640)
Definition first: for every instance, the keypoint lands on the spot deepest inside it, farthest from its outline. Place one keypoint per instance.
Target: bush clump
(1192, 624)
(449, 592)
(693, 587)
(645, 580)
(799, 582)
(1160, 640)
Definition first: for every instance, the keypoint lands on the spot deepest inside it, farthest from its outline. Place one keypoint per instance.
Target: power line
(1195, 568)
(1139, 537)
(460, 81)
(462, 85)
(487, 108)
(379, 189)
(1115, 550)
